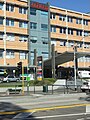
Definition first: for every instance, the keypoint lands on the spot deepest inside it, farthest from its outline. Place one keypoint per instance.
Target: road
(44, 107)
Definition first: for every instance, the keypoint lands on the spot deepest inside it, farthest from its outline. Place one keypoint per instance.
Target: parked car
(10, 78)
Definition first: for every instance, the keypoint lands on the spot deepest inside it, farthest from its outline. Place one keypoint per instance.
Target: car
(11, 78)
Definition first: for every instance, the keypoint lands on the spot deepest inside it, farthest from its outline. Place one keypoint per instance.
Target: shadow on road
(6, 109)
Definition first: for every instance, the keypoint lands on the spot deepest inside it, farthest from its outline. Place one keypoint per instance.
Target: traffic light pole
(22, 79)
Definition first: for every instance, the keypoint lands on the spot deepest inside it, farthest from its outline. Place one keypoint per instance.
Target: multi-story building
(13, 33)
(26, 25)
(69, 28)
(39, 30)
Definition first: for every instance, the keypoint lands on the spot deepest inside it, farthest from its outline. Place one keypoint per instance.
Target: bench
(13, 91)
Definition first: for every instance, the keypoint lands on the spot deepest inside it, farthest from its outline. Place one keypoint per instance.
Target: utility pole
(53, 61)
(35, 63)
(75, 65)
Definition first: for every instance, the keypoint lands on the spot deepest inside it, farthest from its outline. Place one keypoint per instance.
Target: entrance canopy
(65, 57)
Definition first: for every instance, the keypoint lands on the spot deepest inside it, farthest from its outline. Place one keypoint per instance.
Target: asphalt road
(44, 107)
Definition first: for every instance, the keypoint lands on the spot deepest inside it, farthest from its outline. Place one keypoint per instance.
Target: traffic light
(19, 68)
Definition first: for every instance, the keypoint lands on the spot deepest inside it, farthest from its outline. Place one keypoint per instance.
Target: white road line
(55, 116)
(81, 119)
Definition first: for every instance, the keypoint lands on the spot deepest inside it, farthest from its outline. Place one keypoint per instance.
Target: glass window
(53, 29)
(1, 36)
(23, 38)
(79, 21)
(44, 13)
(44, 40)
(1, 21)
(1, 6)
(1, 53)
(62, 17)
(85, 22)
(44, 27)
(69, 19)
(9, 22)
(86, 33)
(23, 24)
(33, 39)
(10, 54)
(70, 31)
(62, 43)
(33, 25)
(79, 32)
(53, 42)
(10, 37)
(10, 8)
(52, 16)
(62, 30)
(23, 55)
(33, 11)
(23, 10)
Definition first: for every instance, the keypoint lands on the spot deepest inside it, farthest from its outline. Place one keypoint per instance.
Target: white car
(10, 78)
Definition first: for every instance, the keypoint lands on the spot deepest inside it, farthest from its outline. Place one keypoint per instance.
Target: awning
(65, 57)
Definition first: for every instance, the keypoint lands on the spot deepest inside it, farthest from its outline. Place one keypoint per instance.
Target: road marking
(81, 119)
(23, 115)
(41, 109)
(55, 116)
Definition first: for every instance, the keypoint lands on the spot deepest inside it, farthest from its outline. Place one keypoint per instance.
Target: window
(33, 11)
(87, 45)
(62, 43)
(1, 21)
(70, 31)
(9, 22)
(23, 38)
(44, 40)
(70, 44)
(45, 54)
(23, 55)
(33, 25)
(1, 53)
(44, 13)
(53, 29)
(86, 33)
(1, 6)
(53, 41)
(62, 30)
(79, 32)
(23, 10)
(62, 17)
(69, 19)
(1, 36)
(52, 16)
(33, 39)
(78, 21)
(10, 8)
(23, 24)
(85, 22)
(10, 54)
(10, 37)
(44, 27)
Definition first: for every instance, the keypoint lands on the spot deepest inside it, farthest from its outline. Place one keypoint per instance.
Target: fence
(46, 89)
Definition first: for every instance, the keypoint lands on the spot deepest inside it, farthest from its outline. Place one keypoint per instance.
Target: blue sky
(76, 5)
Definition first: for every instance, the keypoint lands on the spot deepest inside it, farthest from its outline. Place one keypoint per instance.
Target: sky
(75, 5)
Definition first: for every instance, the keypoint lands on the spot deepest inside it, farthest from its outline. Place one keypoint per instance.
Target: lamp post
(75, 65)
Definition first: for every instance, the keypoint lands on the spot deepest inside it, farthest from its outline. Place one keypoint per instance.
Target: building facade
(39, 30)
(70, 28)
(27, 25)
(13, 33)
